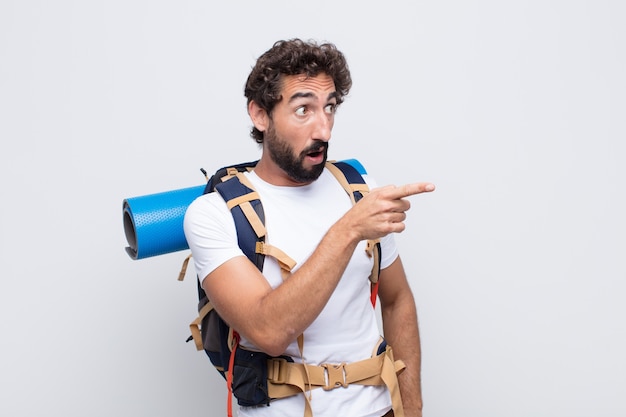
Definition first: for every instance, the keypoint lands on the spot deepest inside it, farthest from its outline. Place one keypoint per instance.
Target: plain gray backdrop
(514, 109)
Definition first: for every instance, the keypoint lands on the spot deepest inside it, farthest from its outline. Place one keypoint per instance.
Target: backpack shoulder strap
(245, 206)
(226, 173)
(350, 179)
(349, 176)
(246, 235)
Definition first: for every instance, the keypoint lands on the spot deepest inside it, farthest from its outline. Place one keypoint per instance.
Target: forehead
(296, 85)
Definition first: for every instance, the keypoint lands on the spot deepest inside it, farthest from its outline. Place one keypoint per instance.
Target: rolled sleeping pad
(153, 223)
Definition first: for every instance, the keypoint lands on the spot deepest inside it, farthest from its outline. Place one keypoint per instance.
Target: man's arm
(273, 318)
(401, 332)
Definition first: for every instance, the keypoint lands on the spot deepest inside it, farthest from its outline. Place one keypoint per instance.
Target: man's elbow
(272, 341)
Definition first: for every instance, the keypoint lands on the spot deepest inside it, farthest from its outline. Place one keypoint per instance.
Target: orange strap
(229, 377)
(374, 293)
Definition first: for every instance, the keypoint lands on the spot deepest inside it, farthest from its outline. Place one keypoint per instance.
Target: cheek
(297, 136)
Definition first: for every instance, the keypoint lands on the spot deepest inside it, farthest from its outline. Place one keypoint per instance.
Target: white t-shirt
(296, 219)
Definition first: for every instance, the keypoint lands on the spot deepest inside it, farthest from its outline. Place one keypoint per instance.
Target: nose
(323, 126)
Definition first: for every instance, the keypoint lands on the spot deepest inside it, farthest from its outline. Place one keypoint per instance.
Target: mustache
(317, 146)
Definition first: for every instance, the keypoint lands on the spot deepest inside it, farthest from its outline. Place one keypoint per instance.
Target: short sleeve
(210, 232)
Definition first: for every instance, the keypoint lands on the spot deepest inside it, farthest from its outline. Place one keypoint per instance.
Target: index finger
(407, 190)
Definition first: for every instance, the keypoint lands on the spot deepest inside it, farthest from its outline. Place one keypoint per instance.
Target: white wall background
(516, 110)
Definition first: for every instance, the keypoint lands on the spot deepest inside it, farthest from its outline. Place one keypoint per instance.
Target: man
(320, 314)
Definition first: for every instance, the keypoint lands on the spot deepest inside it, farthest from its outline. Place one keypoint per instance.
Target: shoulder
(207, 208)
(209, 201)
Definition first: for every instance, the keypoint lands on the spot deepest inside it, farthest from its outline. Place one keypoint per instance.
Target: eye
(330, 108)
(301, 111)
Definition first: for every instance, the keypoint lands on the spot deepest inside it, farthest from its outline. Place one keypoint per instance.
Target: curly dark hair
(294, 57)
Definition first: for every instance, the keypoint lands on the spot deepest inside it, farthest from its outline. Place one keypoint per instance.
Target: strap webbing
(194, 326)
(289, 378)
(350, 188)
(253, 218)
(183, 269)
(355, 186)
(285, 261)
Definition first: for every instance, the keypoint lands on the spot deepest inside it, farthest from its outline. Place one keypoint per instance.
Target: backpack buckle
(277, 370)
(335, 376)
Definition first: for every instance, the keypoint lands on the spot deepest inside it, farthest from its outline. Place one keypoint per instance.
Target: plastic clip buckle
(336, 376)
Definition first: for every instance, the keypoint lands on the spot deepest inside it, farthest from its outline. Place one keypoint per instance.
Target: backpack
(244, 371)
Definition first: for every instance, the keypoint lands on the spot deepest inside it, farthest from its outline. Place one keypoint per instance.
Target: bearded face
(283, 155)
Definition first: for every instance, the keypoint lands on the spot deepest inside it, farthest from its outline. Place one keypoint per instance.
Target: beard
(282, 154)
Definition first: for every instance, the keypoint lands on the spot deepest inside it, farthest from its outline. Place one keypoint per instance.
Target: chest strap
(285, 379)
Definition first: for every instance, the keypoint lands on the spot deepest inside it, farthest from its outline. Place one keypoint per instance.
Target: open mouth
(316, 153)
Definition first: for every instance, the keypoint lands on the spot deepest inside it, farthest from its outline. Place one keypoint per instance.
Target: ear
(258, 115)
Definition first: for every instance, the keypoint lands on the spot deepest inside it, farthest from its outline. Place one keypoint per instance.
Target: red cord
(229, 375)
(374, 293)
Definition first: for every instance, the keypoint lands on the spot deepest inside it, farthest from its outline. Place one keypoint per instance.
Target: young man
(320, 314)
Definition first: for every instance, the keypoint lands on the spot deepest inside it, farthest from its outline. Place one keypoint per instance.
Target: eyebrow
(295, 96)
